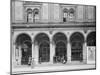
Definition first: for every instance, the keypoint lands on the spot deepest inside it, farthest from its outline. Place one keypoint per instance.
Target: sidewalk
(53, 67)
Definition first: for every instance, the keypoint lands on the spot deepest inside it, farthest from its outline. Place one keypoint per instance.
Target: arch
(24, 47)
(35, 11)
(77, 40)
(41, 37)
(77, 36)
(59, 36)
(60, 41)
(29, 15)
(65, 10)
(35, 14)
(43, 42)
(71, 10)
(91, 39)
(21, 38)
(65, 14)
(29, 10)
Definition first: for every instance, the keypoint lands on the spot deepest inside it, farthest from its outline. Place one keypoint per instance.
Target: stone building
(52, 34)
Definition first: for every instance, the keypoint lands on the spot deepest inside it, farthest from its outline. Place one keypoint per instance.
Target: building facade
(52, 34)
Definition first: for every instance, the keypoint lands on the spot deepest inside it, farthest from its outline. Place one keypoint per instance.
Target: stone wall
(52, 12)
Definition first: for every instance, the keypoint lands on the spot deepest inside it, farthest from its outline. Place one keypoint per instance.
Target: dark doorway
(24, 41)
(44, 52)
(60, 49)
(60, 42)
(77, 40)
(42, 40)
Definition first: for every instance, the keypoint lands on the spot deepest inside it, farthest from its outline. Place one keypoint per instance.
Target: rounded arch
(29, 10)
(71, 10)
(65, 10)
(24, 47)
(41, 37)
(29, 15)
(21, 38)
(60, 41)
(35, 11)
(77, 40)
(77, 36)
(59, 36)
(91, 39)
(43, 42)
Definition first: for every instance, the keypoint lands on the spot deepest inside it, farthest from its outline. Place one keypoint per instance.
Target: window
(32, 15)
(35, 14)
(29, 16)
(76, 51)
(60, 41)
(43, 42)
(77, 40)
(23, 49)
(71, 13)
(60, 49)
(68, 14)
(65, 15)
(44, 52)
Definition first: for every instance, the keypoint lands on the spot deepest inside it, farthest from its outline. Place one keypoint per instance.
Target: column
(85, 52)
(33, 55)
(68, 52)
(36, 54)
(32, 50)
(52, 51)
(13, 55)
(20, 55)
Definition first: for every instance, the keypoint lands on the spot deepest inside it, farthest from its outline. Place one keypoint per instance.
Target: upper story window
(68, 14)
(29, 15)
(35, 15)
(71, 13)
(65, 15)
(32, 15)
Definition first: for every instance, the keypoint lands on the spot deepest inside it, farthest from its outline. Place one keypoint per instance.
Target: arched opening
(60, 42)
(35, 14)
(29, 15)
(71, 13)
(91, 44)
(23, 49)
(65, 14)
(43, 42)
(68, 14)
(77, 40)
(91, 39)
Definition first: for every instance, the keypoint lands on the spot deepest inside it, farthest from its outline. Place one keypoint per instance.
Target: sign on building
(91, 54)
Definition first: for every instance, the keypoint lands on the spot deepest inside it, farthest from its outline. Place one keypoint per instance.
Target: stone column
(85, 52)
(13, 55)
(19, 55)
(33, 55)
(52, 51)
(32, 50)
(36, 55)
(68, 52)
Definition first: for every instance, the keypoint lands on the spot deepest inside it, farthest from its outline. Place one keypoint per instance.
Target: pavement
(51, 68)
